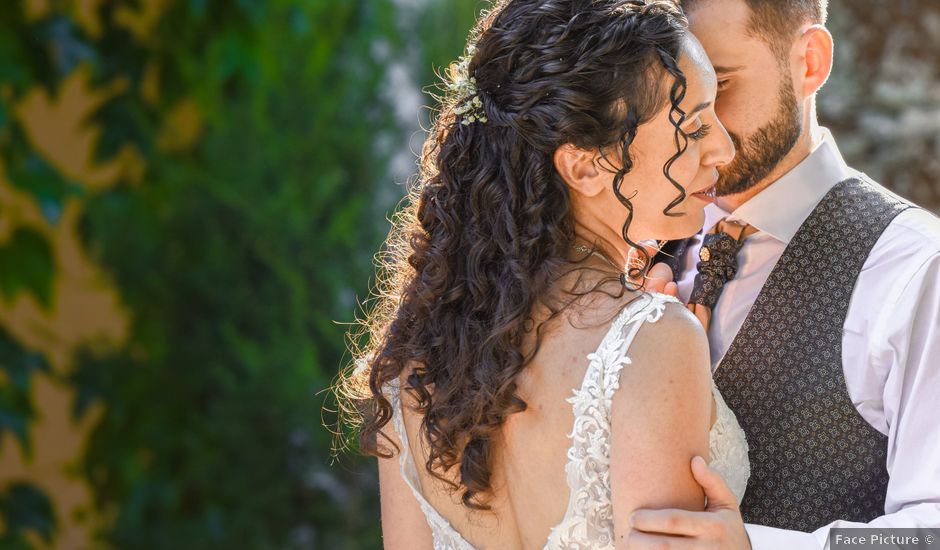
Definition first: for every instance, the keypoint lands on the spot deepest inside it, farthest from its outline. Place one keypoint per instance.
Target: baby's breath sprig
(469, 105)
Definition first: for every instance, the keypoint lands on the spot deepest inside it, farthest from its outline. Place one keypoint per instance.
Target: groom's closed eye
(725, 70)
(724, 73)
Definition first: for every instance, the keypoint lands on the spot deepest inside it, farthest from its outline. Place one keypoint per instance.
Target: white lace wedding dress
(588, 521)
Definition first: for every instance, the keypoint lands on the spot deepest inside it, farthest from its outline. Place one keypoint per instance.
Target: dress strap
(408, 471)
(445, 536)
(612, 352)
(588, 519)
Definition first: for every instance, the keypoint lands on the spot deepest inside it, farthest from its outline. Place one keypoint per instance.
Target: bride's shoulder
(601, 310)
(671, 316)
(666, 323)
(669, 355)
(670, 333)
(668, 329)
(669, 337)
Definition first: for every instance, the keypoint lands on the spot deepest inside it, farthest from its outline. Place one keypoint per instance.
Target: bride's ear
(579, 170)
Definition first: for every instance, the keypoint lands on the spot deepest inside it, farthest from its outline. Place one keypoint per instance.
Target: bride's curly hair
(488, 229)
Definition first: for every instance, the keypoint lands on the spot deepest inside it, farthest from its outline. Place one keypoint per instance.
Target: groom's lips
(707, 194)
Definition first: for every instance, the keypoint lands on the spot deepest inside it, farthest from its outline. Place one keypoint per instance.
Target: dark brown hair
(487, 231)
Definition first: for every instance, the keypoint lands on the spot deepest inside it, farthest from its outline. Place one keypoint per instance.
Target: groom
(826, 341)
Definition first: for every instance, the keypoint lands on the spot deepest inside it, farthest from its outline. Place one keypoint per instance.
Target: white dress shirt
(891, 336)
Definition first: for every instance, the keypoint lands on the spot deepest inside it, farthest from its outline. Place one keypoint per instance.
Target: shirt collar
(781, 208)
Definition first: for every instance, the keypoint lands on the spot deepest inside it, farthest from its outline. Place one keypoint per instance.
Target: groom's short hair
(775, 21)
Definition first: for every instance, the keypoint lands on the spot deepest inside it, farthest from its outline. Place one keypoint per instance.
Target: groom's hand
(719, 527)
(659, 278)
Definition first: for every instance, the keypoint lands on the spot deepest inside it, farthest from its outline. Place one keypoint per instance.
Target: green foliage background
(239, 256)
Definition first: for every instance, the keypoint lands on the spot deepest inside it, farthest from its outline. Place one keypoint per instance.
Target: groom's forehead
(771, 21)
(779, 13)
(728, 19)
(722, 28)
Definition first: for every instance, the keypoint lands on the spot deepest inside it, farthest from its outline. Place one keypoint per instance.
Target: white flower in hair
(464, 86)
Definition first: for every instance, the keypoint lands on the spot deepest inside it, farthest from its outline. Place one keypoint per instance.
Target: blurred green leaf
(25, 507)
(26, 264)
(18, 365)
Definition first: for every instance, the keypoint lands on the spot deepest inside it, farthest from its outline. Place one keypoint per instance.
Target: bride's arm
(404, 526)
(660, 419)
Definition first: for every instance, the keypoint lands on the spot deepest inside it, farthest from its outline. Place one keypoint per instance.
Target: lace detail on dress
(588, 520)
(728, 447)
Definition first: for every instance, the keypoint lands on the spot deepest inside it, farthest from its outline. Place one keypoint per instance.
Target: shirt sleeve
(909, 344)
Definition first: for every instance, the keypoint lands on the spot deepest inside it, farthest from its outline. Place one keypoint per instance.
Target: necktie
(718, 264)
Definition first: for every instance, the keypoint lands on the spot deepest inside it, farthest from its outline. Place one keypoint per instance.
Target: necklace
(586, 250)
(623, 275)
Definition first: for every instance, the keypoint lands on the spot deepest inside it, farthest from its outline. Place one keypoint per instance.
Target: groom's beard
(762, 151)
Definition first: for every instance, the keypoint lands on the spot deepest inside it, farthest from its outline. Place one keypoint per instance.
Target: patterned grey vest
(814, 459)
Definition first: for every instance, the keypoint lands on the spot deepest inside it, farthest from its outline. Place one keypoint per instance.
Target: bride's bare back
(660, 418)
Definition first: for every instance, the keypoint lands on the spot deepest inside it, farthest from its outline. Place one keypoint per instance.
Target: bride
(520, 389)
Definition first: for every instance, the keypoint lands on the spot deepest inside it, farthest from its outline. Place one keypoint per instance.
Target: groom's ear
(579, 169)
(817, 51)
